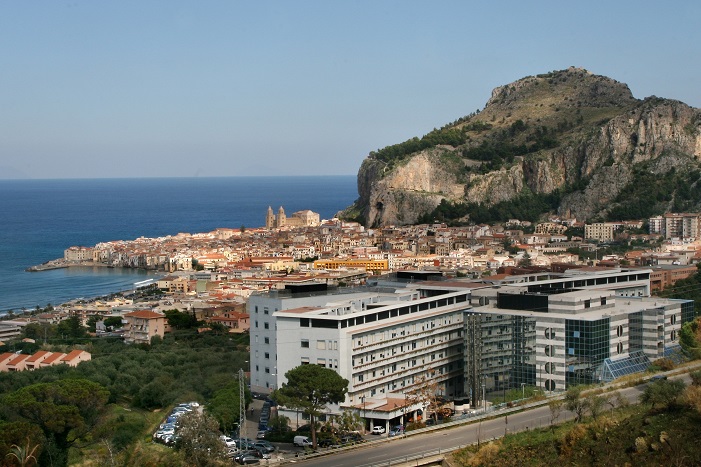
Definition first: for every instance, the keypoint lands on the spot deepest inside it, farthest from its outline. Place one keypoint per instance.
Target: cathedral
(298, 219)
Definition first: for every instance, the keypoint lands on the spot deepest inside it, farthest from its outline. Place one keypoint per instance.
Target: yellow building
(375, 266)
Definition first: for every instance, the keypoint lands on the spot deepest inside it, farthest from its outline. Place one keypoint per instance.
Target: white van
(302, 441)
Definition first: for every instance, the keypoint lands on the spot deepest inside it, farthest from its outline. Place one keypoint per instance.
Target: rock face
(540, 134)
(408, 191)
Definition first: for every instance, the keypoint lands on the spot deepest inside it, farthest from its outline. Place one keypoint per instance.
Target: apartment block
(142, 325)
(682, 226)
(601, 231)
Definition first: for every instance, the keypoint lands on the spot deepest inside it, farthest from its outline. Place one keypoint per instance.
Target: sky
(100, 89)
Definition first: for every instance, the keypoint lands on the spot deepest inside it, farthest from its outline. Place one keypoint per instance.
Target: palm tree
(24, 455)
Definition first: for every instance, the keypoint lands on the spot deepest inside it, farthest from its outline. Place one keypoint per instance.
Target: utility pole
(484, 396)
(242, 408)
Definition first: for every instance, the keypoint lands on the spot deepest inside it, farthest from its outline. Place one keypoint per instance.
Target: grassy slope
(610, 440)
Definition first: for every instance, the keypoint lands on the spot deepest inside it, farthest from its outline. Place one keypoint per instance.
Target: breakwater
(62, 263)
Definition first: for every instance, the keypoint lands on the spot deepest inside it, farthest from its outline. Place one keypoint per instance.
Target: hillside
(567, 142)
(636, 435)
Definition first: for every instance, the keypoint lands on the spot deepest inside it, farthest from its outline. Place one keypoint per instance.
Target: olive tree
(198, 439)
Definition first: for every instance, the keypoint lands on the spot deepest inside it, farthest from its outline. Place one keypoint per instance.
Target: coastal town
(481, 309)
(213, 275)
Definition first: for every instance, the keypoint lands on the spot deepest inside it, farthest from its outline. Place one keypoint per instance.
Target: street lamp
(523, 390)
(362, 399)
(404, 420)
(484, 395)
(242, 409)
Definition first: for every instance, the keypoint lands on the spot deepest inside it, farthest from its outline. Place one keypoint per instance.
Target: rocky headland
(570, 132)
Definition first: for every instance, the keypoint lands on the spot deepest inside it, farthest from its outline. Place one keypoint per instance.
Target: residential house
(142, 325)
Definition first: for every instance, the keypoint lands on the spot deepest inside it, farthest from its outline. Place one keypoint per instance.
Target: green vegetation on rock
(579, 137)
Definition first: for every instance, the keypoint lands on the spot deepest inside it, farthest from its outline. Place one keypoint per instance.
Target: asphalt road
(395, 449)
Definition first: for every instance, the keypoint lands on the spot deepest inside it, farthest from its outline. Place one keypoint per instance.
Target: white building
(383, 343)
(551, 331)
(543, 331)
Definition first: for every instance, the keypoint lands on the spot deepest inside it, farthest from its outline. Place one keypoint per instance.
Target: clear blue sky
(228, 88)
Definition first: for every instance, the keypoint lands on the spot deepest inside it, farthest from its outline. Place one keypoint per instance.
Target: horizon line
(174, 177)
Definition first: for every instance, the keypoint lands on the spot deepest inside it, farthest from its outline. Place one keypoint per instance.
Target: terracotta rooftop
(37, 356)
(72, 354)
(53, 357)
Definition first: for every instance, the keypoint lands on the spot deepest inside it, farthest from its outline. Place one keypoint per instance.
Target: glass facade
(634, 363)
(506, 349)
(586, 348)
(687, 311)
(635, 332)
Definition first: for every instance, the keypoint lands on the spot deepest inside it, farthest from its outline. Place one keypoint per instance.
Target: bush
(662, 364)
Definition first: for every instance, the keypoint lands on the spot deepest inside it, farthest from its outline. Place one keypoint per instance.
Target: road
(383, 451)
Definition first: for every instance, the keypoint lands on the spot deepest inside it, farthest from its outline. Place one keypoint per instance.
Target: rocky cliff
(570, 132)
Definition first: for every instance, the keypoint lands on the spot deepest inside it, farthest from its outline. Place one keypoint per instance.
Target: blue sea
(41, 218)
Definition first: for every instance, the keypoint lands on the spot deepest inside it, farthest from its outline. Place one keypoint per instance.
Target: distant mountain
(567, 142)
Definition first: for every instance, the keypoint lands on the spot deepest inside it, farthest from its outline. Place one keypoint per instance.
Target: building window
(673, 335)
(266, 326)
(256, 309)
(265, 310)
(267, 355)
(619, 330)
(256, 323)
(267, 340)
(267, 370)
(321, 345)
(305, 343)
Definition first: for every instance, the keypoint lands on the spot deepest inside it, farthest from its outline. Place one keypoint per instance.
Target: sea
(41, 218)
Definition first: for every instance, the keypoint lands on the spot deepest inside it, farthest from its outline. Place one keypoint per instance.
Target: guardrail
(490, 412)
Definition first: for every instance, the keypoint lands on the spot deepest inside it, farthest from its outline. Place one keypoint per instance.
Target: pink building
(140, 326)
(74, 357)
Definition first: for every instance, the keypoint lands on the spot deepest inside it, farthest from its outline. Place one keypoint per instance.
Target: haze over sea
(41, 218)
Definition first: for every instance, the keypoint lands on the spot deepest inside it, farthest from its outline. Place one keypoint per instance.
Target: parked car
(378, 430)
(396, 431)
(244, 443)
(230, 443)
(264, 446)
(246, 457)
(328, 442)
(302, 441)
